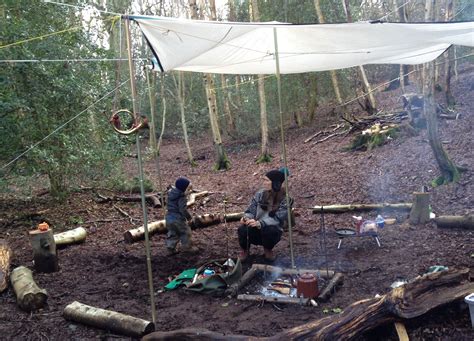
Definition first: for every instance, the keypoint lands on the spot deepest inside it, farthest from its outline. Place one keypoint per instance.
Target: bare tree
(335, 83)
(449, 172)
(222, 162)
(265, 153)
(371, 105)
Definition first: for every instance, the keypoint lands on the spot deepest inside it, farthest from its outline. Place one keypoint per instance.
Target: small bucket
(469, 299)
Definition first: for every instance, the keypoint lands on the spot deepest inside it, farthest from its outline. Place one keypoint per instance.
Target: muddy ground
(107, 273)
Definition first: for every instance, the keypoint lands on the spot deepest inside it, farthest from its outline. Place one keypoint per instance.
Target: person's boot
(269, 255)
(244, 255)
(171, 251)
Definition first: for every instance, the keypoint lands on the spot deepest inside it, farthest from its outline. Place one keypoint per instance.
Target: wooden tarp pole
(140, 169)
(283, 147)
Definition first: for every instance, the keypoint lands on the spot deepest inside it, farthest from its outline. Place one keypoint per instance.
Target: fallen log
(137, 234)
(284, 271)
(44, 250)
(465, 222)
(29, 296)
(335, 281)
(361, 207)
(409, 301)
(193, 196)
(274, 299)
(77, 235)
(5, 259)
(159, 227)
(154, 199)
(108, 320)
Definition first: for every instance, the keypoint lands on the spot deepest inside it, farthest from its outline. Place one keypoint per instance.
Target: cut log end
(107, 319)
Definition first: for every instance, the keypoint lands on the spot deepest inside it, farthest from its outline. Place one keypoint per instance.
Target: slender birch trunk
(163, 118)
(372, 107)
(222, 162)
(447, 63)
(228, 112)
(151, 82)
(264, 153)
(181, 97)
(403, 18)
(335, 83)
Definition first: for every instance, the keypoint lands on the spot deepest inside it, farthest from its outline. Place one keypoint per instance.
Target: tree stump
(5, 257)
(420, 211)
(29, 296)
(109, 320)
(44, 250)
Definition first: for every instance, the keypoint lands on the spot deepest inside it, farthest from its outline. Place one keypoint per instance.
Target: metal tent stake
(290, 228)
(140, 170)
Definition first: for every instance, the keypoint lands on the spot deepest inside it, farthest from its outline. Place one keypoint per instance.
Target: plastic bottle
(358, 222)
(380, 221)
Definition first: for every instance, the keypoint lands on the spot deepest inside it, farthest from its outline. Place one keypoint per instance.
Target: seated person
(263, 220)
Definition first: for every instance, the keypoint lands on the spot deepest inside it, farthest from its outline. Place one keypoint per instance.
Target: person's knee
(242, 230)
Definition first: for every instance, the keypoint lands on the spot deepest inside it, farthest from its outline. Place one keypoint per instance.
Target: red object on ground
(307, 286)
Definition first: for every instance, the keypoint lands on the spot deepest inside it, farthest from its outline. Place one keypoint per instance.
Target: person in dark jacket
(263, 220)
(177, 217)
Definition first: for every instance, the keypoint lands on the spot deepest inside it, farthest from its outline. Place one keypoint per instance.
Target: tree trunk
(29, 296)
(420, 211)
(312, 96)
(163, 121)
(465, 222)
(335, 83)
(228, 112)
(448, 56)
(77, 235)
(108, 320)
(361, 207)
(409, 301)
(372, 105)
(264, 152)
(151, 83)
(5, 259)
(449, 172)
(222, 162)
(183, 116)
(44, 250)
(403, 18)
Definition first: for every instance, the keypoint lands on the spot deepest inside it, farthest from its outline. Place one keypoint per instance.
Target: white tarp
(249, 48)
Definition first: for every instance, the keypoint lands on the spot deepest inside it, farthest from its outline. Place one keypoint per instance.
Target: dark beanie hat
(182, 183)
(277, 178)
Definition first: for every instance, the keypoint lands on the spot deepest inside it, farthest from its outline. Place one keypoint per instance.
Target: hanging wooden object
(44, 250)
(420, 211)
(5, 258)
(29, 296)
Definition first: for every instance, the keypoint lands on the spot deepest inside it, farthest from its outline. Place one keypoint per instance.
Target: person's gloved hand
(254, 223)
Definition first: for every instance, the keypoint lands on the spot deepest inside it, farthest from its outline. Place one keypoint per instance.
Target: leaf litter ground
(107, 273)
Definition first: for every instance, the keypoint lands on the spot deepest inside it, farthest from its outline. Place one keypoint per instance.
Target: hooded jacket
(259, 211)
(177, 206)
